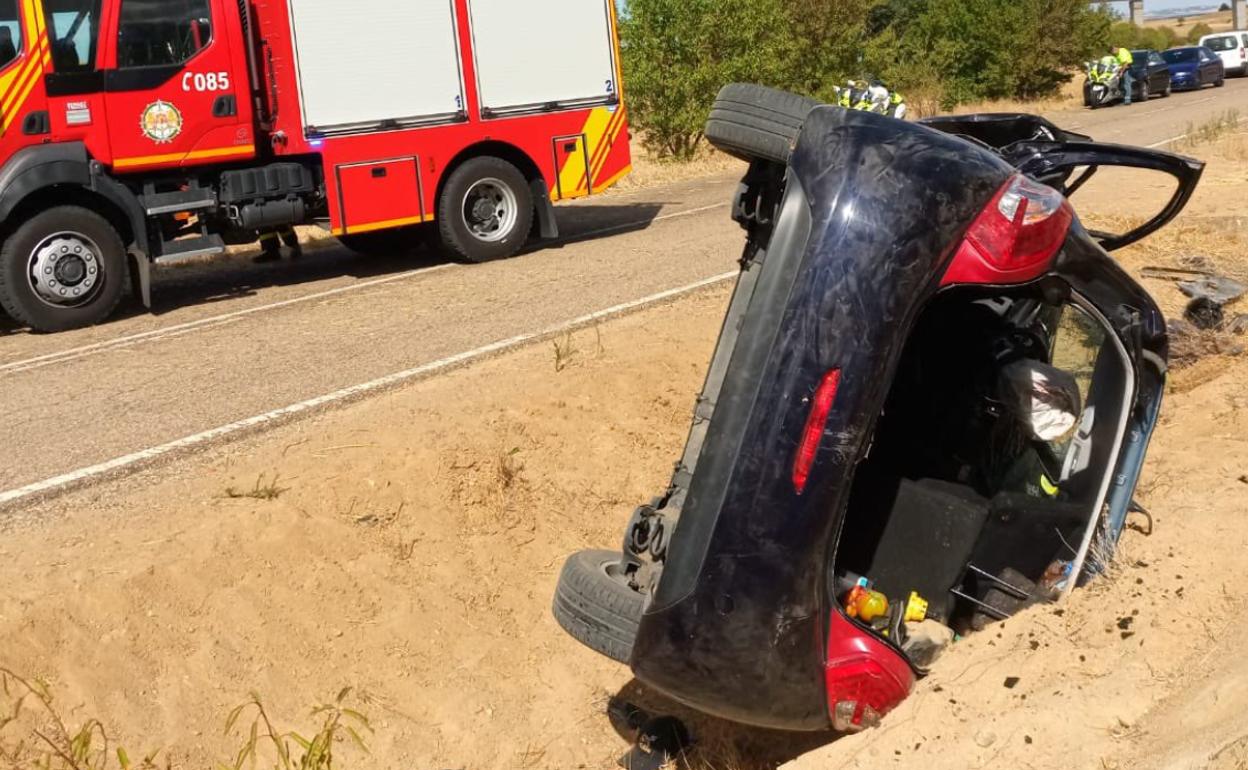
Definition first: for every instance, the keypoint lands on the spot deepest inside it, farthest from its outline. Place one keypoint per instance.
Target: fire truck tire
(64, 268)
(754, 122)
(596, 606)
(486, 210)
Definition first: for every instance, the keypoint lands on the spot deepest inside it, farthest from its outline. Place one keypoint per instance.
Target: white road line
(130, 339)
(64, 480)
(71, 354)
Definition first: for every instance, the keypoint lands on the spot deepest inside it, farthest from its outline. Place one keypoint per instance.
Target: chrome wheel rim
(490, 210)
(66, 270)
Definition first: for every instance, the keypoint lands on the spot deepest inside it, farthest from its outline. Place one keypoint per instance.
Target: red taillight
(865, 677)
(820, 405)
(1015, 237)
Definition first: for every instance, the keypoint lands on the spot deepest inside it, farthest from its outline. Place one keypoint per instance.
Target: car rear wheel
(63, 268)
(754, 122)
(1144, 91)
(595, 604)
(1219, 82)
(1165, 92)
(485, 211)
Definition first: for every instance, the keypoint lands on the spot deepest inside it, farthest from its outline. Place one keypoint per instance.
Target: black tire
(465, 231)
(395, 242)
(1165, 92)
(103, 288)
(1145, 91)
(1219, 82)
(596, 606)
(754, 122)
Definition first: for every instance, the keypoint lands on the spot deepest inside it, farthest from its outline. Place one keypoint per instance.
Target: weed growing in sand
(260, 491)
(1211, 129)
(338, 725)
(564, 350)
(509, 467)
(34, 736)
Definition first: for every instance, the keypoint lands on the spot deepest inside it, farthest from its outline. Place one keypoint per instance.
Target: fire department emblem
(161, 122)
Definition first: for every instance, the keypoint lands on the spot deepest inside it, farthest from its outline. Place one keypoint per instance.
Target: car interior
(989, 462)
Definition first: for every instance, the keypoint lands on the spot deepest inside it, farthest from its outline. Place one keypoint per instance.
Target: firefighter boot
(270, 248)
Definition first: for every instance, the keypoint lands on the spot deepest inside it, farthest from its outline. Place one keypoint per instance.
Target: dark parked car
(1150, 75)
(1194, 66)
(932, 381)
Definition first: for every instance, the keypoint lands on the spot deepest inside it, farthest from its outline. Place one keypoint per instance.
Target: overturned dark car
(928, 407)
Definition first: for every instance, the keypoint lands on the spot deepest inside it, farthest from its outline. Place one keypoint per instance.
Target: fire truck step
(185, 248)
(178, 200)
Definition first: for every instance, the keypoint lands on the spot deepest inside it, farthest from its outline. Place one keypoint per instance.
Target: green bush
(678, 53)
(1197, 32)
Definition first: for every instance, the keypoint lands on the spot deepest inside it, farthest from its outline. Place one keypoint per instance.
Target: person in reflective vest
(1125, 60)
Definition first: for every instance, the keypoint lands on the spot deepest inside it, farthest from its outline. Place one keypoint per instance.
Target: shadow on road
(236, 276)
(715, 742)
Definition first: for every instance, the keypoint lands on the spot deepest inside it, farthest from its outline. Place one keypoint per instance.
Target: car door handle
(225, 106)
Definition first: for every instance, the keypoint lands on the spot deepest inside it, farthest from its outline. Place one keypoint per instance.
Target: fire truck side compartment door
(571, 166)
(375, 195)
(543, 54)
(370, 63)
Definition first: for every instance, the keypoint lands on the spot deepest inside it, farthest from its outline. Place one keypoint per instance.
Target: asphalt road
(230, 340)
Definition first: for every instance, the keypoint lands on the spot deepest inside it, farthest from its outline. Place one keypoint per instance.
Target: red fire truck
(144, 131)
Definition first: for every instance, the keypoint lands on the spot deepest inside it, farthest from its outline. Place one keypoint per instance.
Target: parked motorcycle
(1103, 85)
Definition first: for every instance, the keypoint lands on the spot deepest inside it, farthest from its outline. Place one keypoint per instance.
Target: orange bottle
(865, 604)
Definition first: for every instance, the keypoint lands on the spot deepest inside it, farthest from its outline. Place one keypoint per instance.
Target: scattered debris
(1204, 313)
(1216, 288)
(985, 738)
(925, 641)
(1238, 324)
(660, 742)
(1011, 682)
(1188, 344)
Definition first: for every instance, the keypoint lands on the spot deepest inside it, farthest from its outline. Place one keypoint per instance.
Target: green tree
(1198, 31)
(678, 53)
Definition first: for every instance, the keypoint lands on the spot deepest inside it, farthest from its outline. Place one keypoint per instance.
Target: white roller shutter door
(534, 53)
(373, 61)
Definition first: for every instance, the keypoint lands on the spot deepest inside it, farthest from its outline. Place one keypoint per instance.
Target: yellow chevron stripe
(602, 149)
(13, 81)
(608, 144)
(24, 92)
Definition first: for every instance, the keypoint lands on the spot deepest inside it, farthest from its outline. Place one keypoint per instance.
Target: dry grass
(1210, 131)
(650, 171)
(1218, 21)
(1070, 97)
(261, 490)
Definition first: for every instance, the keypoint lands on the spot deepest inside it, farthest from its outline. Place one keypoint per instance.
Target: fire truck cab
(139, 132)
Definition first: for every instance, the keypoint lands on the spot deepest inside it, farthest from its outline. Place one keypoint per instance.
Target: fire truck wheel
(595, 604)
(486, 210)
(63, 268)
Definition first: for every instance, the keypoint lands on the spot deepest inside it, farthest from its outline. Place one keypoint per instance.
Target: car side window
(10, 32)
(74, 29)
(154, 33)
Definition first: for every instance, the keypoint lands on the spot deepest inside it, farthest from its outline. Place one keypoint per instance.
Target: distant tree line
(677, 53)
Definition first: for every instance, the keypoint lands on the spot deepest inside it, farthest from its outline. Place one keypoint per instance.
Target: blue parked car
(1194, 66)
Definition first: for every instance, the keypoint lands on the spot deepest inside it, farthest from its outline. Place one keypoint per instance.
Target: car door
(1209, 66)
(176, 91)
(1158, 72)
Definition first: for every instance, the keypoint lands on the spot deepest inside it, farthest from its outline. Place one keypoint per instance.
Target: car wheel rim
(65, 270)
(490, 210)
